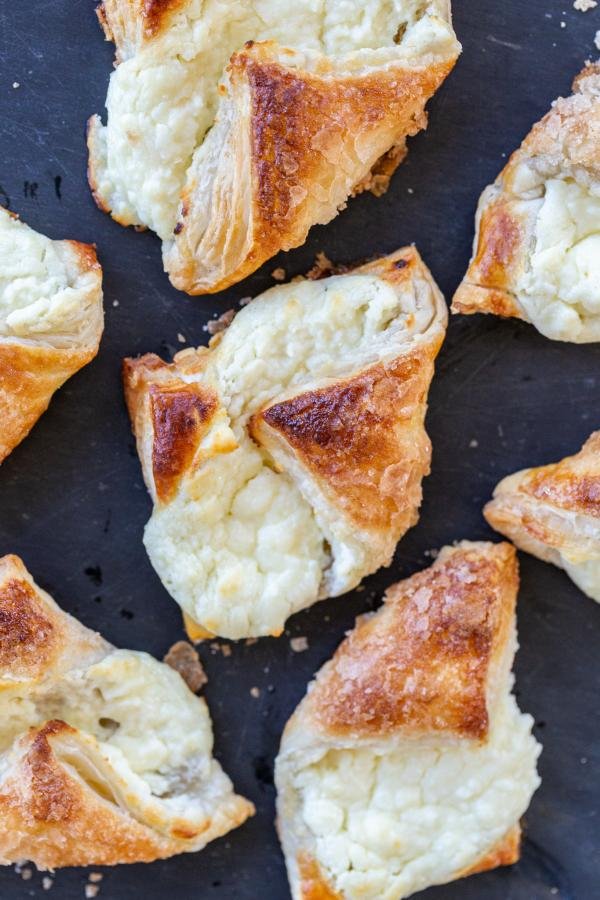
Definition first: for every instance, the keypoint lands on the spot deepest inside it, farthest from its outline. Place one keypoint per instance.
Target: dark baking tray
(72, 501)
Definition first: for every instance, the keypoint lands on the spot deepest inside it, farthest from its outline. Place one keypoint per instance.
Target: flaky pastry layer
(553, 512)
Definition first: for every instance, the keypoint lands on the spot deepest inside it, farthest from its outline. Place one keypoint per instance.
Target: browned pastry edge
(27, 638)
(505, 853)
(127, 23)
(567, 484)
(426, 661)
(55, 819)
(314, 884)
(179, 416)
(539, 508)
(345, 436)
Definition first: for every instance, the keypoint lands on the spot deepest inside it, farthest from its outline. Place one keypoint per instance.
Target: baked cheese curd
(153, 734)
(388, 822)
(560, 291)
(43, 292)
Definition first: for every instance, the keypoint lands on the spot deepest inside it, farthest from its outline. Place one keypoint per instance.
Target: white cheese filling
(389, 822)
(145, 720)
(42, 291)
(560, 292)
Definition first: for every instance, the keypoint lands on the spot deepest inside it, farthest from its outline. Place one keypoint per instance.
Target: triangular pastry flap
(553, 511)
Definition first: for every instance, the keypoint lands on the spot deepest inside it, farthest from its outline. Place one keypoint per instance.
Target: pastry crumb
(115, 303)
(216, 326)
(299, 644)
(16, 84)
(584, 5)
(92, 890)
(255, 692)
(597, 40)
(473, 443)
(225, 649)
(181, 338)
(278, 274)
(26, 873)
(323, 268)
(563, 24)
(249, 642)
(47, 882)
(377, 181)
(245, 301)
(183, 658)
(95, 877)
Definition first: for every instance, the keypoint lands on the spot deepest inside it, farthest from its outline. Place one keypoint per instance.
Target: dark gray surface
(73, 504)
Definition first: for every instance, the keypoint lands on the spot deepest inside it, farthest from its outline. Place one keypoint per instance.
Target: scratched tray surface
(72, 501)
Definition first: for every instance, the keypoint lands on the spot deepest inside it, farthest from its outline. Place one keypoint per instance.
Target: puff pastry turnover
(235, 125)
(408, 763)
(537, 244)
(105, 754)
(554, 512)
(285, 462)
(51, 321)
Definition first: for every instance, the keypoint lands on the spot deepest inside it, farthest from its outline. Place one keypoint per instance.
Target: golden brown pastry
(554, 512)
(235, 125)
(285, 462)
(105, 755)
(408, 763)
(51, 321)
(537, 244)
